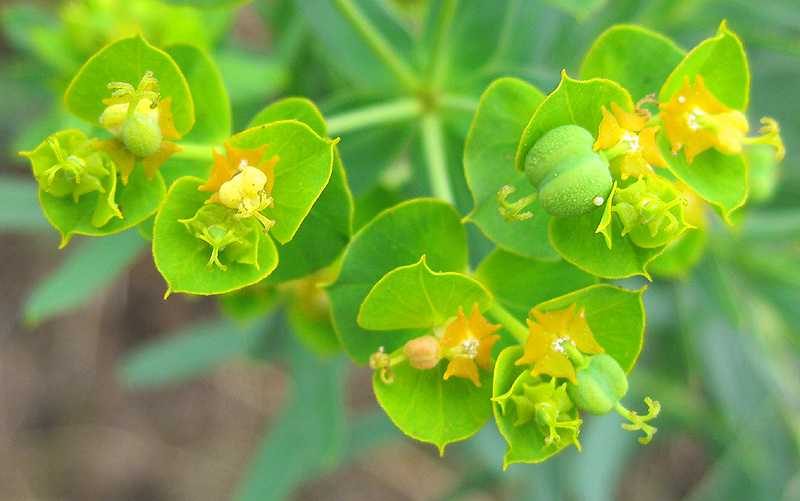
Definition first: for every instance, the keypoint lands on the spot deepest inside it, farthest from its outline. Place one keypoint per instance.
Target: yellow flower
(695, 120)
(157, 124)
(619, 127)
(467, 343)
(547, 337)
(243, 182)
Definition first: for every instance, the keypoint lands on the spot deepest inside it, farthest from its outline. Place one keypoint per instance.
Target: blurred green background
(109, 392)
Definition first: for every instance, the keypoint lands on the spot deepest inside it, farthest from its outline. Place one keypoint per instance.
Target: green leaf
(519, 282)
(573, 102)
(19, 206)
(681, 254)
(526, 442)
(324, 233)
(179, 356)
(212, 109)
(637, 59)
(137, 200)
(718, 178)
(250, 303)
(576, 240)
(86, 270)
(208, 4)
(182, 258)
(342, 42)
(312, 323)
(292, 108)
(615, 316)
(428, 408)
(722, 63)
(306, 437)
(305, 165)
(581, 9)
(413, 296)
(504, 111)
(326, 230)
(127, 60)
(398, 236)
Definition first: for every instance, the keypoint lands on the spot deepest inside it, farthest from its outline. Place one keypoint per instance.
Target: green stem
(440, 52)
(195, 151)
(618, 149)
(510, 322)
(434, 147)
(377, 43)
(464, 104)
(370, 116)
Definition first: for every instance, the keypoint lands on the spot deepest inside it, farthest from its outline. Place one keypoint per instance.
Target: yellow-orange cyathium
(547, 336)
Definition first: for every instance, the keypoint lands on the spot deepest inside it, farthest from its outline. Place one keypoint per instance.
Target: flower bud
(423, 352)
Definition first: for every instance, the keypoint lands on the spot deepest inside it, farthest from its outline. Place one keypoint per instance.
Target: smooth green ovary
(141, 135)
(600, 385)
(570, 177)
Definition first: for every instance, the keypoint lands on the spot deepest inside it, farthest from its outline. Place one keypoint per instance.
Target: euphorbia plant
(610, 171)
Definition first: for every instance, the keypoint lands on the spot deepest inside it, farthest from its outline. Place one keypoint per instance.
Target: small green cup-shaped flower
(67, 164)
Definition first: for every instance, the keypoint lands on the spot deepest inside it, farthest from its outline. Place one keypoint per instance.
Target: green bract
(127, 60)
(428, 408)
(183, 258)
(718, 178)
(413, 296)
(98, 204)
(186, 244)
(398, 236)
(504, 111)
(515, 412)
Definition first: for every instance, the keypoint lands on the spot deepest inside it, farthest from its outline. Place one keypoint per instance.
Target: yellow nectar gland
(547, 337)
(467, 343)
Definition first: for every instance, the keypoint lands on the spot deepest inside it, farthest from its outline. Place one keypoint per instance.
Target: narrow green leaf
(86, 270)
(413, 296)
(292, 108)
(581, 9)
(19, 206)
(307, 436)
(179, 356)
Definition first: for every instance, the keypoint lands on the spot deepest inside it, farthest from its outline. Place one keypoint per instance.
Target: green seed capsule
(141, 134)
(600, 386)
(570, 177)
